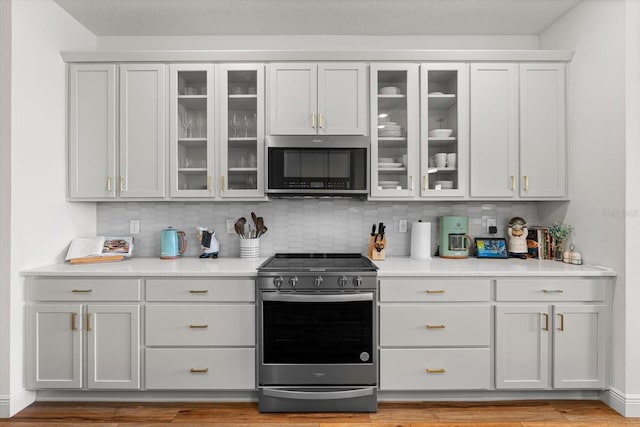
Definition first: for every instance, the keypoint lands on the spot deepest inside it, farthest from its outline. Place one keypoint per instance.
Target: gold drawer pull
(552, 291)
(436, 371)
(198, 326)
(561, 328)
(513, 182)
(546, 322)
(121, 184)
(199, 371)
(435, 326)
(73, 321)
(81, 291)
(437, 291)
(108, 183)
(196, 291)
(88, 322)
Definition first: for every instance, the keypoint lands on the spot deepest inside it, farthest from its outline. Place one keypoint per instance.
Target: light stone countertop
(391, 266)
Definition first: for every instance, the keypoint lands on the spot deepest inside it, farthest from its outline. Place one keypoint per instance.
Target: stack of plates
(389, 185)
(444, 185)
(390, 90)
(390, 129)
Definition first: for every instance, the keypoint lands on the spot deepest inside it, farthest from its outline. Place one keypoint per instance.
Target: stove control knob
(317, 281)
(293, 281)
(342, 281)
(277, 281)
(357, 281)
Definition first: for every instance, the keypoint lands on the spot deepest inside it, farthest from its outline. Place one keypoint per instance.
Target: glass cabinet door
(191, 127)
(242, 130)
(444, 138)
(394, 130)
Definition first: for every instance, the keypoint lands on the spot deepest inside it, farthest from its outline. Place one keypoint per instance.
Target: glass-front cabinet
(444, 129)
(241, 92)
(192, 130)
(394, 130)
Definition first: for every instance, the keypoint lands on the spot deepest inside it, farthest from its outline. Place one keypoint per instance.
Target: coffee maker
(454, 239)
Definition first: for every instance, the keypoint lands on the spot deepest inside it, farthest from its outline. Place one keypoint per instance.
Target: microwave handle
(272, 296)
(318, 395)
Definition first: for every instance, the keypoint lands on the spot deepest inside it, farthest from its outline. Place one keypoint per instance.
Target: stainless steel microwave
(317, 165)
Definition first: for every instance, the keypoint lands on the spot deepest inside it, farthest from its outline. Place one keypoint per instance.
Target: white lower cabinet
(64, 337)
(546, 345)
(435, 334)
(200, 334)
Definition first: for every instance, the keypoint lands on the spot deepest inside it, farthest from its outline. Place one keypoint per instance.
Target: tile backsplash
(301, 225)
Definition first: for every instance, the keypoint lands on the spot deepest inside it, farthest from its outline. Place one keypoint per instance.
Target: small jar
(576, 258)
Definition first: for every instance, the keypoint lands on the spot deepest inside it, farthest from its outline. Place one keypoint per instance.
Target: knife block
(377, 248)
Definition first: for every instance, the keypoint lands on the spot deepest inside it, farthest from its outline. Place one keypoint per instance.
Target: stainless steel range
(317, 333)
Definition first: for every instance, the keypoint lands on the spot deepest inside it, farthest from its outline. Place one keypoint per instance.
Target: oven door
(317, 338)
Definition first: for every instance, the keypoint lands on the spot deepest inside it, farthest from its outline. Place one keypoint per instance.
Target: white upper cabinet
(92, 131)
(317, 99)
(517, 137)
(494, 130)
(542, 131)
(142, 130)
(241, 95)
(444, 138)
(191, 130)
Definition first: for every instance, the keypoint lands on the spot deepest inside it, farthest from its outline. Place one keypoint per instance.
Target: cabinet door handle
(437, 291)
(546, 322)
(121, 183)
(198, 326)
(435, 326)
(88, 322)
(425, 182)
(526, 183)
(198, 291)
(199, 371)
(561, 328)
(513, 182)
(208, 182)
(221, 183)
(313, 120)
(320, 120)
(552, 291)
(411, 183)
(109, 184)
(81, 291)
(436, 371)
(73, 321)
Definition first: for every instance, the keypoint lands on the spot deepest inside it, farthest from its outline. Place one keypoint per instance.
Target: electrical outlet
(402, 226)
(491, 222)
(134, 226)
(230, 225)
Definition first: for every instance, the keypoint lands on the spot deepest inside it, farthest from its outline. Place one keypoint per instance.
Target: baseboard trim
(12, 404)
(626, 404)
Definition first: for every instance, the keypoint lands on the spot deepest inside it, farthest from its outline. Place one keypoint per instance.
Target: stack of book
(539, 242)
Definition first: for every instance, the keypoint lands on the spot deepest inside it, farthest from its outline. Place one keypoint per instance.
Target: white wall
(596, 125)
(317, 42)
(42, 222)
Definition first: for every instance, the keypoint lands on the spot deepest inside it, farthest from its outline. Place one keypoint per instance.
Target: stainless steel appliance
(318, 165)
(317, 333)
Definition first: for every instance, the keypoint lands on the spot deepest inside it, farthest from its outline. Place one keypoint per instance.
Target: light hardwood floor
(556, 413)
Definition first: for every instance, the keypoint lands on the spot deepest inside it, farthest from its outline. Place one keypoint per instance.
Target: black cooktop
(341, 262)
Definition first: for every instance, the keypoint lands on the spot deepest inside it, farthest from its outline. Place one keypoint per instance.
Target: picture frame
(491, 247)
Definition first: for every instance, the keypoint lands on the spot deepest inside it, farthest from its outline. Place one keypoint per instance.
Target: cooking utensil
(373, 230)
(255, 219)
(261, 229)
(239, 227)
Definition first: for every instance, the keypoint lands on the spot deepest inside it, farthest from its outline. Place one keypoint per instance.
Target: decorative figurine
(208, 242)
(517, 236)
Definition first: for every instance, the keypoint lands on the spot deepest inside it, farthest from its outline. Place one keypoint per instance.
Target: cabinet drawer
(426, 325)
(72, 289)
(434, 290)
(200, 325)
(551, 290)
(200, 369)
(435, 369)
(209, 290)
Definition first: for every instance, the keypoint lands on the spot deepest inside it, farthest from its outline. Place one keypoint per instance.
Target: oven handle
(318, 395)
(269, 296)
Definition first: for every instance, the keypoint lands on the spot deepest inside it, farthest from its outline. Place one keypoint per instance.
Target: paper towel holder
(420, 240)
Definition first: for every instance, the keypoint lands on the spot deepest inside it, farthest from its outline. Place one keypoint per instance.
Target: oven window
(317, 332)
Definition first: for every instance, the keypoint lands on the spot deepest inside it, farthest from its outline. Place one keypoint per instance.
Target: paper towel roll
(421, 240)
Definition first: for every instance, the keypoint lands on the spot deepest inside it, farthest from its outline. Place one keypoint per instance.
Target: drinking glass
(235, 124)
(247, 125)
(201, 123)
